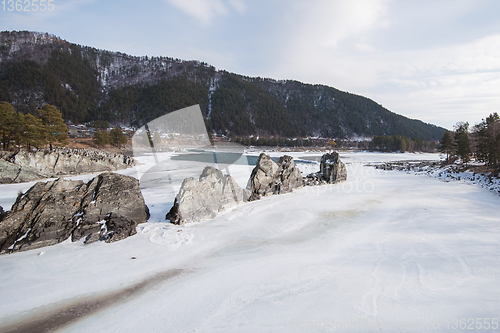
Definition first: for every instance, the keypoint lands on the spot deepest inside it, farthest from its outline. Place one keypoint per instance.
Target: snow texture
(383, 251)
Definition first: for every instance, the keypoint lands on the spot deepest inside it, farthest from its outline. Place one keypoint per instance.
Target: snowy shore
(447, 172)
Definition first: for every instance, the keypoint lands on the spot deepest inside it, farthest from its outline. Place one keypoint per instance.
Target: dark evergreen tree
(101, 138)
(7, 115)
(33, 132)
(445, 145)
(462, 142)
(493, 139)
(55, 129)
(117, 136)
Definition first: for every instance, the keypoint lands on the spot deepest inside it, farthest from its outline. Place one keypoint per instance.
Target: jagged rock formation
(203, 199)
(106, 208)
(26, 166)
(12, 173)
(270, 178)
(332, 170)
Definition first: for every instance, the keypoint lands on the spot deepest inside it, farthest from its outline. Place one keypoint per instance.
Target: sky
(437, 61)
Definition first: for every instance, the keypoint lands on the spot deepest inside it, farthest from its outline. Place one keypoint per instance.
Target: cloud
(207, 10)
(326, 23)
(327, 40)
(364, 47)
(238, 5)
(443, 84)
(367, 47)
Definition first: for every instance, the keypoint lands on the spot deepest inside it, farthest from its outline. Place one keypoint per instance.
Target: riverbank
(477, 174)
(24, 166)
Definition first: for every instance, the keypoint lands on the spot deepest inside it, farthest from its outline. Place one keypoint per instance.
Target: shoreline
(23, 166)
(473, 174)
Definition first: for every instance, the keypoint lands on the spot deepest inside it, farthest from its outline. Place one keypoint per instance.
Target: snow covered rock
(203, 199)
(270, 178)
(106, 208)
(331, 170)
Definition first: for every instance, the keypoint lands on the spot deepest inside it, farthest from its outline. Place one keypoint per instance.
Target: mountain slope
(90, 84)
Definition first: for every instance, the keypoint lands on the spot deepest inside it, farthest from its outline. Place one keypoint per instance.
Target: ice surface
(383, 248)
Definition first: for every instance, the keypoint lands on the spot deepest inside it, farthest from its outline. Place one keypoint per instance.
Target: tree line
(114, 137)
(401, 143)
(280, 142)
(45, 127)
(481, 142)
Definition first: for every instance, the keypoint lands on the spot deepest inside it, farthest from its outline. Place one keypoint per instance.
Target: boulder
(106, 208)
(331, 170)
(203, 199)
(263, 177)
(290, 177)
(268, 178)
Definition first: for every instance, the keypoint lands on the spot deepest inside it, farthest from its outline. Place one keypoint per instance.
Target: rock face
(203, 199)
(270, 178)
(106, 208)
(26, 166)
(331, 170)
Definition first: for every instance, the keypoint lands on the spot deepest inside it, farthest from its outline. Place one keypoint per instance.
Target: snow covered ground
(384, 251)
(451, 172)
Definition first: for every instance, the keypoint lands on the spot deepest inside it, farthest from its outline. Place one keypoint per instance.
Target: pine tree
(34, 132)
(7, 114)
(479, 140)
(55, 129)
(101, 138)
(462, 142)
(445, 145)
(117, 136)
(18, 127)
(493, 139)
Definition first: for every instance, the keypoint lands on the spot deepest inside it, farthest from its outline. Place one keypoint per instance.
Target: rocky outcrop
(270, 178)
(203, 199)
(26, 166)
(331, 170)
(106, 208)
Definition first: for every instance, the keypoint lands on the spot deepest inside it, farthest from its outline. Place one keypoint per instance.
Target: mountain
(89, 84)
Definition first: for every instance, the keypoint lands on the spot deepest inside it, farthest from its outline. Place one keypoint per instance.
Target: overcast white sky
(438, 61)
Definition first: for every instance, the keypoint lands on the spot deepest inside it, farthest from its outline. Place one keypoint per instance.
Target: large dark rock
(203, 199)
(331, 170)
(270, 178)
(23, 166)
(106, 208)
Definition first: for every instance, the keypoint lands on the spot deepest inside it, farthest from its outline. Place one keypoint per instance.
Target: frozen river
(384, 251)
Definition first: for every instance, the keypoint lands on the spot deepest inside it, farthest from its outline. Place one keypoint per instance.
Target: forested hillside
(87, 84)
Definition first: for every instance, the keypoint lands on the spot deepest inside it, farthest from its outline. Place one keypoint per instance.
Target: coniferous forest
(87, 84)
(480, 142)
